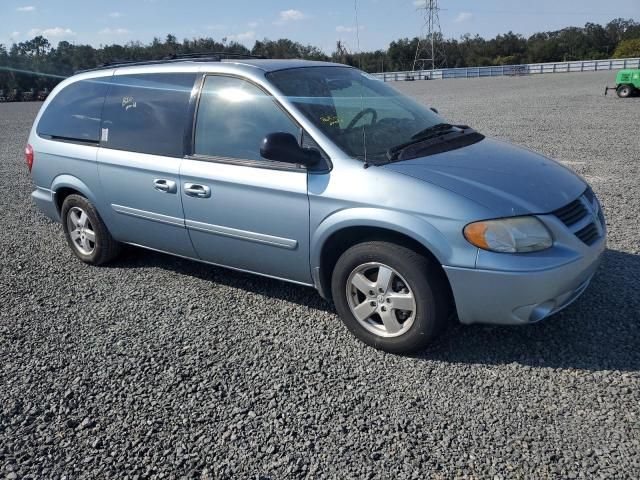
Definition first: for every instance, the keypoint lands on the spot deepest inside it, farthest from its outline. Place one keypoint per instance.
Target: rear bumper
(44, 199)
(522, 297)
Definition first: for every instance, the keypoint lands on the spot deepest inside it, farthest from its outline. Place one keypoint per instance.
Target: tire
(413, 283)
(88, 236)
(624, 91)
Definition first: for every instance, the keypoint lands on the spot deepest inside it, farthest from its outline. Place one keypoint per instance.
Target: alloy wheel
(381, 299)
(81, 231)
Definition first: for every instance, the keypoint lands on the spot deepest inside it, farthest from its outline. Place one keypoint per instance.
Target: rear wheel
(624, 91)
(390, 296)
(86, 233)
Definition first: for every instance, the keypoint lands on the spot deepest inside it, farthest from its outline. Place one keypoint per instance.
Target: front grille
(583, 217)
(588, 234)
(572, 213)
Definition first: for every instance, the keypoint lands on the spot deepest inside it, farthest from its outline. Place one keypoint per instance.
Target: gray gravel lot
(157, 367)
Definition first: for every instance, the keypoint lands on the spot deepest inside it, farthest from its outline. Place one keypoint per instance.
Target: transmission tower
(430, 50)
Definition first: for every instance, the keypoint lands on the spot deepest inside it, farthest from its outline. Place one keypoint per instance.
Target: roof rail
(210, 55)
(173, 58)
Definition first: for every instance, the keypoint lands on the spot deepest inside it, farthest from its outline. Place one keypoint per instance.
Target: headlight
(509, 235)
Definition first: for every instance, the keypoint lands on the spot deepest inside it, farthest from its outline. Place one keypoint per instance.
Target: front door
(139, 163)
(241, 210)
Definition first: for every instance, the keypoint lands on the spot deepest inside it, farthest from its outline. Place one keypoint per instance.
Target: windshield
(344, 101)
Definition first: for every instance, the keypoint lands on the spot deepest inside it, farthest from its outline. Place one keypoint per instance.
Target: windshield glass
(344, 101)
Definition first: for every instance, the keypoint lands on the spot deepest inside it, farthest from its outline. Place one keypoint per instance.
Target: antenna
(430, 49)
(355, 8)
(365, 164)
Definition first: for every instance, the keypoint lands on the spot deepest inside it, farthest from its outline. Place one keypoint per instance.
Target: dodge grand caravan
(317, 174)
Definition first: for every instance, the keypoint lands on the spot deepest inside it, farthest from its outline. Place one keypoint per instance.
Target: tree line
(37, 64)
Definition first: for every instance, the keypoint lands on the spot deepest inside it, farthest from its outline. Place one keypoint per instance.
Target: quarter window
(234, 116)
(74, 112)
(147, 113)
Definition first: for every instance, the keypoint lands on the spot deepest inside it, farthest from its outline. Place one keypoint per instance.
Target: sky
(318, 22)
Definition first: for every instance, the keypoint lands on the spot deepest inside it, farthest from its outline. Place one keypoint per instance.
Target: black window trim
(77, 141)
(190, 134)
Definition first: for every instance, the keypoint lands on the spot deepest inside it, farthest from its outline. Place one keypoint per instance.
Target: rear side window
(234, 116)
(147, 113)
(74, 113)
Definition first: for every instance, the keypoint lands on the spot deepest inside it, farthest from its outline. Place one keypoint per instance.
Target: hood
(502, 177)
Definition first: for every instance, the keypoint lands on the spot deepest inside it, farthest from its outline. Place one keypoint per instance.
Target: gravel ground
(156, 367)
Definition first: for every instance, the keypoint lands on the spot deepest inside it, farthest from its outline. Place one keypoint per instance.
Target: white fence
(512, 70)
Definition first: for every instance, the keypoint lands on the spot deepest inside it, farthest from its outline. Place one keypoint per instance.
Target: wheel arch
(65, 185)
(334, 237)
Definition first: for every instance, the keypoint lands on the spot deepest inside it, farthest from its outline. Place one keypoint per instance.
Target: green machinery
(627, 83)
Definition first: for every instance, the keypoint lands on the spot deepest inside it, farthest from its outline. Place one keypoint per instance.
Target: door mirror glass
(283, 147)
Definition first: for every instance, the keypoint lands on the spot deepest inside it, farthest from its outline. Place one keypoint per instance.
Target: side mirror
(283, 147)
(434, 110)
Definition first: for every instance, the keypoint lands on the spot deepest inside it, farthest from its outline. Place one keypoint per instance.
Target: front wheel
(624, 91)
(390, 297)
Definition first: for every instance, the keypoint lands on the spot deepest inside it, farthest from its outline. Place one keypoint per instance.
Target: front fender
(413, 226)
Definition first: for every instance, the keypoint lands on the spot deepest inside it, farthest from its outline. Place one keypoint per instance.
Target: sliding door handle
(196, 190)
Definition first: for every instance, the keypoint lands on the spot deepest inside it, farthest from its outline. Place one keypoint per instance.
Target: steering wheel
(362, 113)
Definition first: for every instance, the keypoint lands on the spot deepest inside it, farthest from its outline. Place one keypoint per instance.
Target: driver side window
(233, 118)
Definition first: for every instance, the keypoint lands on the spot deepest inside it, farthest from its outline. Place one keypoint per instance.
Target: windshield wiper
(430, 138)
(433, 130)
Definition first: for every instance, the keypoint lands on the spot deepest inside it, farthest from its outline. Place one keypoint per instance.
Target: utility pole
(430, 48)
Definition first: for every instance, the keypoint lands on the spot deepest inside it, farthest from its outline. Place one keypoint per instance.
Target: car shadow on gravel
(134, 257)
(599, 331)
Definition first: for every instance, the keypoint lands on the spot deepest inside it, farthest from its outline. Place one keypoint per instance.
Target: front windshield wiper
(431, 131)
(430, 138)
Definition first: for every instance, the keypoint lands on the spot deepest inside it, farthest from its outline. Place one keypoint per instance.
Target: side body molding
(207, 227)
(249, 236)
(146, 215)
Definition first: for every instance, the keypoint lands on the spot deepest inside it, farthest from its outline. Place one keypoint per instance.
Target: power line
(525, 13)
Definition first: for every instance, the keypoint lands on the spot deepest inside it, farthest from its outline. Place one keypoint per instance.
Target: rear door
(142, 140)
(242, 210)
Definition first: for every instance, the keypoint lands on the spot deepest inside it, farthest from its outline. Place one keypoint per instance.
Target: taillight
(28, 156)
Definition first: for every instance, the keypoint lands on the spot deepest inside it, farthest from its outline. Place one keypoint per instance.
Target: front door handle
(163, 185)
(196, 190)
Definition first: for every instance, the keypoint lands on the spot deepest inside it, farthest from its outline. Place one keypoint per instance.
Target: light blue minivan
(318, 174)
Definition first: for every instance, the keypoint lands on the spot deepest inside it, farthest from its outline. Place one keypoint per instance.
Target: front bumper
(521, 297)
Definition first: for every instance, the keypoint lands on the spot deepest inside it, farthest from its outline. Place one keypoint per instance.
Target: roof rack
(209, 55)
(173, 58)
